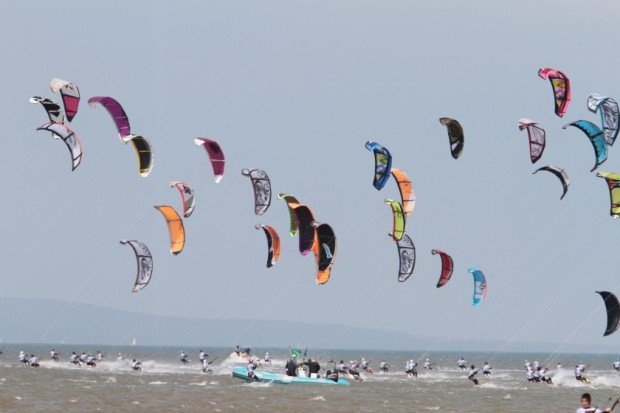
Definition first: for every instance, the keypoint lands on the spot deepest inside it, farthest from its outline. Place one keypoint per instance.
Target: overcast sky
(296, 89)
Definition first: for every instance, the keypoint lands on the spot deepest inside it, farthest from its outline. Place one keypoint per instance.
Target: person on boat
(238, 351)
(99, 356)
(267, 359)
(428, 365)
(617, 365)
(353, 371)
(136, 365)
(586, 405)
(462, 363)
(90, 361)
(291, 367)
(383, 366)
(313, 367)
(74, 359)
(410, 368)
(486, 369)
(472, 375)
(251, 367)
(183, 358)
(22, 357)
(33, 361)
(54, 355)
(340, 367)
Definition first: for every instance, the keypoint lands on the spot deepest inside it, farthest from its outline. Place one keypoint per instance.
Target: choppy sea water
(165, 385)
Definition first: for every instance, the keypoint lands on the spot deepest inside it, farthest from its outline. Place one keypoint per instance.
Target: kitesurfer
(586, 405)
(543, 377)
(486, 369)
(90, 361)
(74, 359)
(353, 371)
(529, 375)
(205, 366)
(472, 375)
(383, 366)
(22, 357)
(428, 365)
(267, 359)
(291, 367)
(99, 356)
(34, 361)
(183, 358)
(238, 351)
(83, 357)
(201, 356)
(410, 369)
(580, 373)
(364, 366)
(136, 365)
(462, 364)
(617, 365)
(527, 364)
(54, 355)
(340, 367)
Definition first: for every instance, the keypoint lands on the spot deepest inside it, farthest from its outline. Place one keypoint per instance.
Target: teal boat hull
(266, 377)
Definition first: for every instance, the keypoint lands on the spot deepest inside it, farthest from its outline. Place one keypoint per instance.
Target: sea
(166, 385)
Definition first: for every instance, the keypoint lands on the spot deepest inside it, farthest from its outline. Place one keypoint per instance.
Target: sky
(296, 89)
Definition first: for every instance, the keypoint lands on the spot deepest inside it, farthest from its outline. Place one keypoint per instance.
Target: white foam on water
(158, 382)
(318, 398)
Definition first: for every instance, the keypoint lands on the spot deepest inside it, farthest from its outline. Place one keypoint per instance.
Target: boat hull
(267, 377)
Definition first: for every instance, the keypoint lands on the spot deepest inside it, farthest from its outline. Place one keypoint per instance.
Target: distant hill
(48, 321)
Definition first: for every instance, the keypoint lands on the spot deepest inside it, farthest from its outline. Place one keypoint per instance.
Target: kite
(53, 109)
(273, 244)
(596, 138)
(262, 189)
(216, 156)
(175, 228)
(398, 226)
(187, 196)
(383, 164)
(613, 311)
(610, 115)
(291, 204)
(613, 182)
(406, 256)
(69, 137)
(406, 190)
(144, 260)
(455, 134)
(560, 173)
(307, 231)
(447, 266)
(560, 86)
(324, 251)
(536, 136)
(70, 96)
(143, 152)
(480, 287)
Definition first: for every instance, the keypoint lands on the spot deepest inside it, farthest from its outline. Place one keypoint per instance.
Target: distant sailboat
(133, 342)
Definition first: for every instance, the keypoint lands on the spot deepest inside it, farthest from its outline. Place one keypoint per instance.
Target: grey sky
(296, 88)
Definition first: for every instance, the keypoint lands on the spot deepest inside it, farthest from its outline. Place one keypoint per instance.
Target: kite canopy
(70, 96)
(398, 222)
(536, 135)
(53, 109)
(406, 190)
(117, 113)
(456, 136)
(273, 244)
(175, 228)
(187, 197)
(560, 173)
(447, 267)
(144, 154)
(480, 287)
(262, 189)
(610, 115)
(324, 252)
(596, 138)
(307, 231)
(383, 164)
(69, 137)
(218, 161)
(291, 204)
(406, 255)
(613, 311)
(560, 86)
(144, 261)
(613, 183)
